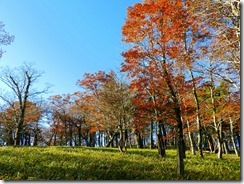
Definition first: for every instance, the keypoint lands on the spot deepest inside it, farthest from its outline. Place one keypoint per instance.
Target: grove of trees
(179, 87)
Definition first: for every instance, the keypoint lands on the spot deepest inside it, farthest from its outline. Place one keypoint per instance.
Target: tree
(112, 102)
(216, 27)
(229, 37)
(150, 27)
(30, 125)
(20, 82)
(5, 38)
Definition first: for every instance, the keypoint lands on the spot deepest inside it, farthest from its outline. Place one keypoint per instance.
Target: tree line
(179, 86)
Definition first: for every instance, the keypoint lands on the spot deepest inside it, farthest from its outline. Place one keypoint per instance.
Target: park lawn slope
(67, 163)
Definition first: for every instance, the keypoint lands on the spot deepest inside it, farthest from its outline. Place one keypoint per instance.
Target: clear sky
(64, 38)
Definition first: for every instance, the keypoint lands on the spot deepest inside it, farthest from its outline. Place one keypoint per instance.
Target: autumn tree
(60, 125)
(112, 101)
(30, 126)
(229, 36)
(217, 27)
(70, 121)
(149, 101)
(150, 27)
(20, 82)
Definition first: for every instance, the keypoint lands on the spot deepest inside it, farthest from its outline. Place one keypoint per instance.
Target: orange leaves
(91, 81)
(32, 113)
(108, 98)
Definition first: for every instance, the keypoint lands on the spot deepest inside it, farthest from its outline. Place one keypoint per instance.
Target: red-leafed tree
(111, 102)
(156, 30)
(9, 119)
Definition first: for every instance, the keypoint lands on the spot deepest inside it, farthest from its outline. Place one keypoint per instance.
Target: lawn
(67, 163)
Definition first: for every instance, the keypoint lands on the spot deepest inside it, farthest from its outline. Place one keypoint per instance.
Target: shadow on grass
(62, 166)
(67, 164)
(136, 151)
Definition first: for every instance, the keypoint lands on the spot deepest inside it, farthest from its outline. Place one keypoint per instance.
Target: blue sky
(64, 38)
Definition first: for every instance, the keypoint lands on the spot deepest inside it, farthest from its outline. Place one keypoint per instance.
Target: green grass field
(66, 163)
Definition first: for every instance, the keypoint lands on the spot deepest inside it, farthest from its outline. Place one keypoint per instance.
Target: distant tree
(112, 104)
(20, 83)
(5, 38)
(8, 119)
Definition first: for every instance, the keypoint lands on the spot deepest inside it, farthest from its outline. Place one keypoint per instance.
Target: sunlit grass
(67, 163)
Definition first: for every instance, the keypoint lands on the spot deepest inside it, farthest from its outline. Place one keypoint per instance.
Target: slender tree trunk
(199, 127)
(232, 137)
(225, 147)
(151, 135)
(10, 140)
(35, 138)
(179, 127)
(111, 139)
(210, 143)
(65, 134)
(116, 140)
(122, 140)
(138, 139)
(164, 136)
(238, 139)
(193, 150)
(101, 139)
(220, 142)
(79, 136)
(217, 126)
(180, 144)
(55, 139)
(50, 140)
(129, 140)
(126, 138)
(92, 140)
(16, 137)
(70, 135)
(160, 142)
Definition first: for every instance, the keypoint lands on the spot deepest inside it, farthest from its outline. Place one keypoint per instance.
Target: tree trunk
(193, 150)
(139, 141)
(164, 136)
(217, 126)
(210, 143)
(79, 135)
(225, 147)
(179, 127)
(10, 140)
(180, 146)
(122, 140)
(199, 126)
(111, 139)
(16, 136)
(129, 140)
(238, 139)
(35, 139)
(65, 134)
(232, 137)
(101, 138)
(151, 135)
(70, 135)
(92, 140)
(160, 142)
(55, 139)
(220, 141)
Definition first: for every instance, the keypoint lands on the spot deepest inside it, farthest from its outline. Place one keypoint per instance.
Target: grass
(67, 163)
